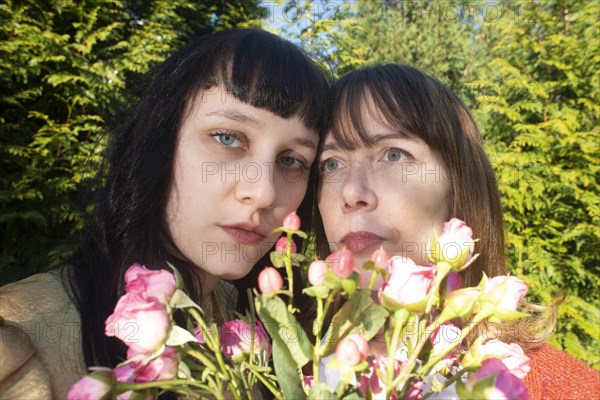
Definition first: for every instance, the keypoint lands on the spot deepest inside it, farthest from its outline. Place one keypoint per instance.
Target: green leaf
(181, 300)
(358, 315)
(280, 323)
(277, 259)
(179, 336)
(320, 292)
(321, 392)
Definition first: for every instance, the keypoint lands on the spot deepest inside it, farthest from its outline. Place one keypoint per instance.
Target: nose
(256, 186)
(357, 191)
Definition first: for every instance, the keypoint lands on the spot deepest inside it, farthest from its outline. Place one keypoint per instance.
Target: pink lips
(244, 232)
(362, 241)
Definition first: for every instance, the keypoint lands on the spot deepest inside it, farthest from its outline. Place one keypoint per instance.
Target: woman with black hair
(219, 149)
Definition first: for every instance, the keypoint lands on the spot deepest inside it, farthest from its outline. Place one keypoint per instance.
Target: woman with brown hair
(403, 155)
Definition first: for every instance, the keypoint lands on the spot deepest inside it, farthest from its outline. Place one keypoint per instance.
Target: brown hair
(417, 105)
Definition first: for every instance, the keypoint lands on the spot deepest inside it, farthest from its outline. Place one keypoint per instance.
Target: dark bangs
(400, 98)
(261, 69)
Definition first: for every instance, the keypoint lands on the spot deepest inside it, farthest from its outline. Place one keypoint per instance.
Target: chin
(234, 275)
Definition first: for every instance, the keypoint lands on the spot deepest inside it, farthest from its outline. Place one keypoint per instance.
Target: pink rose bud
(282, 245)
(408, 286)
(352, 350)
(291, 221)
(269, 280)
(503, 386)
(380, 258)
(160, 368)
(141, 323)
(236, 338)
(159, 284)
(342, 262)
(459, 304)
(446, 336)
(316, 272)
(505, 291)
(97, 385)
(455, 245)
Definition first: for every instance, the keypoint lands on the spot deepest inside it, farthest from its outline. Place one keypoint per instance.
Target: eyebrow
(305, 143)
(374, 139)
(238, 117)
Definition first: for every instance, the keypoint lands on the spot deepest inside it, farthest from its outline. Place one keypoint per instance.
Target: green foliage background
(527, 69)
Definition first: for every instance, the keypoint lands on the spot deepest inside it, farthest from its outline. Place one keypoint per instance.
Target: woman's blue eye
(394, 155)
(227, 139)
(330, 164)
(291, 162)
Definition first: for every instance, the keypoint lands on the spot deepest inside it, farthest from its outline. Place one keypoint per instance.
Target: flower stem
(400, 317)
(446, 384)
(463, 334)
(288, 269)
(321, 314)
(267, 384)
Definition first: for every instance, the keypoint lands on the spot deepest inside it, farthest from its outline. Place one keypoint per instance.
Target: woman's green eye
(394, 155)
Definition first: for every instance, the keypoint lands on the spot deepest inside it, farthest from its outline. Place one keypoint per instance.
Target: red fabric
(557, 375)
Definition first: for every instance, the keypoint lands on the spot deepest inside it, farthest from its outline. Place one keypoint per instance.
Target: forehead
(358, 120)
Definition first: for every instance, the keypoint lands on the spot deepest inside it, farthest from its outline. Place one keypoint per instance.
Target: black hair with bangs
(128, 223)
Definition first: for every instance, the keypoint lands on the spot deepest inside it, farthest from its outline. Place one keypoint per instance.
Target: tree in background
(65, 67)
(538, 89)
(529, 70)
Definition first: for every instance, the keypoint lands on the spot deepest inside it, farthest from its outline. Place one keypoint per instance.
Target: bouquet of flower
(429, 325)
(199, 361)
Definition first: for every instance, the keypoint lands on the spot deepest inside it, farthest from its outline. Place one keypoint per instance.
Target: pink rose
(511, 355)
(455, 245)
(342, 262)
(373, 381)
(125, 373)
(453, 282)
(316, 272)
(446, 336)
(504, 385)
(352, 349)
(269, 280)
(507, 296)
(236, 338)
(282, 244)
(408, 285)
(380, 258)
(159, 284)
(142, 324)
(308, 381)
(97, 385)
(160, 368)
(291, 221)
(415, 392)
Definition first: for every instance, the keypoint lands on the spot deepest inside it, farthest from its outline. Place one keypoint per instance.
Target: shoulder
(22, 373)
(41, 332)
(40, 292)
(558, 375)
